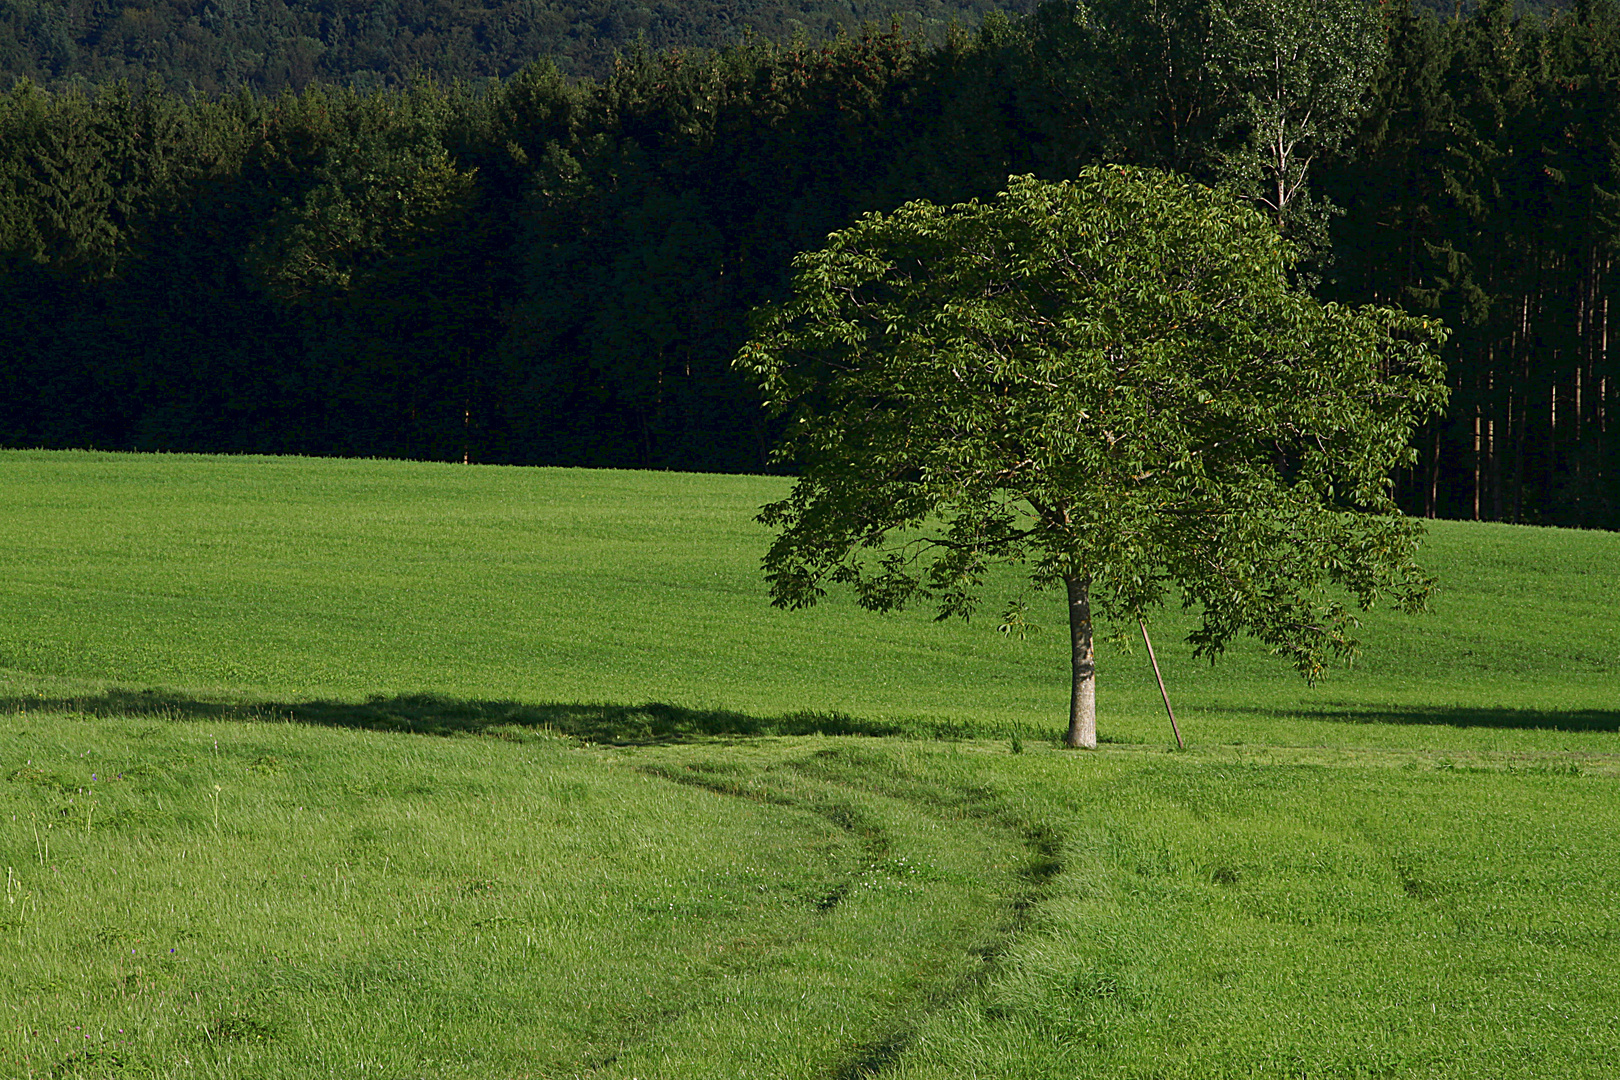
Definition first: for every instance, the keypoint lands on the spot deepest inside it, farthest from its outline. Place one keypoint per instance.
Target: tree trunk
(1083, 696)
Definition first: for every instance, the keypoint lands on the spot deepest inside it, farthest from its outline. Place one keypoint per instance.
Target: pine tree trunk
(1083, 696)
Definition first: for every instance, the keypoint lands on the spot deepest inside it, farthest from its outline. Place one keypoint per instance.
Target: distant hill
(267, 45)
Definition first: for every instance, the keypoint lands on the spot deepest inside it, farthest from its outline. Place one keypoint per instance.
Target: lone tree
(1111, 382)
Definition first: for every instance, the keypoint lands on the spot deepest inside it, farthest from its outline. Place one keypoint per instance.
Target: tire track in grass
(857, 771)
(1043, 864)
(850, 819)
(847, 818)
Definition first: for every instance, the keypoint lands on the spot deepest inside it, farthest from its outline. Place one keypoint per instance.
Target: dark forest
(527, 264)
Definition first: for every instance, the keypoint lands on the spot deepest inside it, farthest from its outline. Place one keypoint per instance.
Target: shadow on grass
(432, 714)
(1537, 719)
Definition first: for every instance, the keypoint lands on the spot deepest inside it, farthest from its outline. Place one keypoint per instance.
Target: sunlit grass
(363, 768)
(294, 579)
(1225, 918)
(270, 899)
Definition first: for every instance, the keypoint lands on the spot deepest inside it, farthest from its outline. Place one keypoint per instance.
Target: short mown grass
(383, 769)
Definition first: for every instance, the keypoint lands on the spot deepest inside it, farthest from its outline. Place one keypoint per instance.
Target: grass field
(361, 768)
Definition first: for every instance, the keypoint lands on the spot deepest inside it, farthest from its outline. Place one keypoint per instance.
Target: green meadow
(385, 769)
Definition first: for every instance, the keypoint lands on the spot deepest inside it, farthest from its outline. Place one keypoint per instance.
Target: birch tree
(1300, 72)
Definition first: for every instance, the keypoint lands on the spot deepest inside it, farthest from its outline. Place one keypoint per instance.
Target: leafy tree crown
(1110, 379)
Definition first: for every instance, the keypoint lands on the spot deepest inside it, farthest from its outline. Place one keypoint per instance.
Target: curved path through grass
(399, 770)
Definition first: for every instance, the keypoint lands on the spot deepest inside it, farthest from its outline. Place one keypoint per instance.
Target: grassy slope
(290, 579)
(1405, 871)
(279, 900)
(1226, 918)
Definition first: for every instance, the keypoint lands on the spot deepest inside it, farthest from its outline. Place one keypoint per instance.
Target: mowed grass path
(636, 862)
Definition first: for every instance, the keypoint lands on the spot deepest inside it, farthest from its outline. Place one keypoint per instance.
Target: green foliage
(1249, 94)
(1487, 151)
(270, 47)
(1109, 380)
(556, 270)
(650, 236)
(82, 174)
(373, 179)
(1299, 72)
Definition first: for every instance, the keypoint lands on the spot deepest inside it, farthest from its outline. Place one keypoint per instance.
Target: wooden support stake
(1162, 691)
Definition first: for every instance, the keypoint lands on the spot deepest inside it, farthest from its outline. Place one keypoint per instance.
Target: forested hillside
(270, 45)
(558, 270)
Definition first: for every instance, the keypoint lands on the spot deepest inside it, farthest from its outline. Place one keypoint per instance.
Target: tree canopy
(272, 45)
(1110, 382)
(550, 270)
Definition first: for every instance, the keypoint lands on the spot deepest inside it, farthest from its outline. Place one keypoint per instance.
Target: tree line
(215, 46)
(553, 270)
